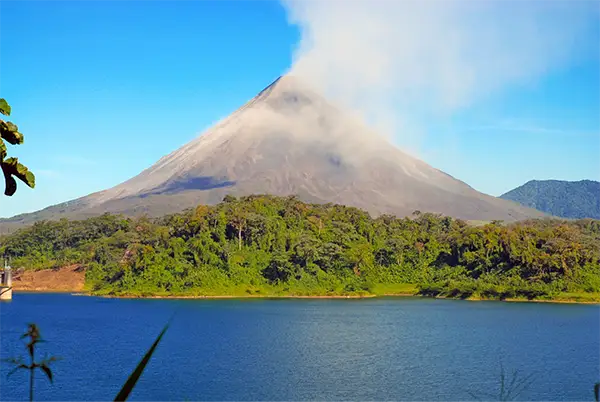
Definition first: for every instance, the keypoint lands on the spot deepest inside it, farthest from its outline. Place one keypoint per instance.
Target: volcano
(289, 140)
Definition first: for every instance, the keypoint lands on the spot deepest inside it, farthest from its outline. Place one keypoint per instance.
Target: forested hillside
(265, 245)
(566, 199)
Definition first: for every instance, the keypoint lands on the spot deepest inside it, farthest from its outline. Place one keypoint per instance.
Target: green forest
(279, 246)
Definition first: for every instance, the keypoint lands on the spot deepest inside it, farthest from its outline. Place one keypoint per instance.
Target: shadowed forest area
(279, 246)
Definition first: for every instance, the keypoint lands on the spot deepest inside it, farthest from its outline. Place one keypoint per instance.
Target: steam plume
(399, 62)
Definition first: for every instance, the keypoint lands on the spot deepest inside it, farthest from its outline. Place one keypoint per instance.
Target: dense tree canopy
(567, 199)
(272, 245)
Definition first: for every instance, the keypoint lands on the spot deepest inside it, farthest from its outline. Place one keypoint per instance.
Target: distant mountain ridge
(566, 199)
(289, 140)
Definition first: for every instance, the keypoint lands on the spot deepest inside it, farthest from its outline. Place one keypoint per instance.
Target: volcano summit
(290, 140)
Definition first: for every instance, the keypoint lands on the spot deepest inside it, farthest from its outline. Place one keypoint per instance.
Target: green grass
(580, 297)
(563, 297)
(382, 289)
(264, 290)
(379, 289)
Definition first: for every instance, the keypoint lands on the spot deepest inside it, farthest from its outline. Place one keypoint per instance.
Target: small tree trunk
(31, 374)
(240, 237)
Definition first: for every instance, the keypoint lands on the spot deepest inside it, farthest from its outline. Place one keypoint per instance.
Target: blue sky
(102, 90)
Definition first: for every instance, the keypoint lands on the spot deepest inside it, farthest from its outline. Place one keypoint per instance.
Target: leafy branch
(11, 167)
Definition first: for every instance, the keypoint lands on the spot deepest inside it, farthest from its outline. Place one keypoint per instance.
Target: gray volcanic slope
(289, 140)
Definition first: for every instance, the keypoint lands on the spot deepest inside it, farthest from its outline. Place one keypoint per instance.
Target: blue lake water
(370, 349)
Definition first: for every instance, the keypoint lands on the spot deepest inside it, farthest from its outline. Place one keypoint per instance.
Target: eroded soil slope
(65, 279)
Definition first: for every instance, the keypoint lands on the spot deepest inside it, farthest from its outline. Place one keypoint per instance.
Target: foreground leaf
(10, 132)
(12, 167)
(21, 366)
(4, 107)
(17, 362)
(47, 371)
(134, 377)
(9, 182)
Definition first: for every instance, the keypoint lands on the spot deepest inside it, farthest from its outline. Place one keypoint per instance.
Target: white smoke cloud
(401, 62)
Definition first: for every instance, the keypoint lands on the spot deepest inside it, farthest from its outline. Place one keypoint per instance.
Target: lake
(401, 348)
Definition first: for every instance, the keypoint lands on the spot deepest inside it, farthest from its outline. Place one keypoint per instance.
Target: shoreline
(559, 301)
(233, 297)
(241, 297)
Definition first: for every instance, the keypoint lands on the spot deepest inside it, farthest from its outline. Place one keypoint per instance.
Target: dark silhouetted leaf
(47, 370)
(12, 167)
(21, 366)
(135, 375)
(10, 183)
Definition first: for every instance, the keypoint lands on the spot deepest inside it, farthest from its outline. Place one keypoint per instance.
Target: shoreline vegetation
(584, 299)
(279, 247)
(398, 290)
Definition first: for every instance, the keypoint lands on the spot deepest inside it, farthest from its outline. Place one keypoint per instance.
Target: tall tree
(11, 167)
(238, 217)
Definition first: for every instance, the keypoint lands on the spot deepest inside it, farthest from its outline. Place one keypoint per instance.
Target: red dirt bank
(66, 279)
